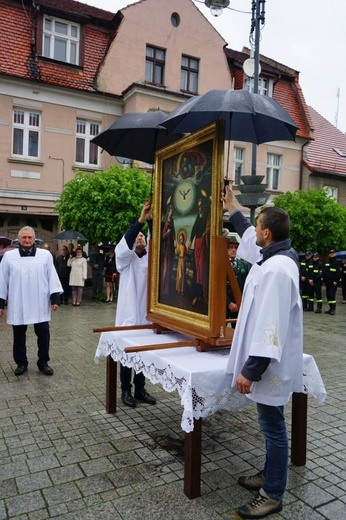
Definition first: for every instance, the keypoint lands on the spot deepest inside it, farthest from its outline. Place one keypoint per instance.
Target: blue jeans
(272, 424)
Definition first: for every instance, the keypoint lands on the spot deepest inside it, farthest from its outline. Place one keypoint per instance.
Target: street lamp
(216, 6)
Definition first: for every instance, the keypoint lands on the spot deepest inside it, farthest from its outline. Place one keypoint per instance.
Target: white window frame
(333, 191)
(274, 171)
(51, 38)
(265, 85)
(238, 163)
(27, 124)
(91, 129)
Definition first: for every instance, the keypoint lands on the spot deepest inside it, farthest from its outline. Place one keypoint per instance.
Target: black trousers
(125, 379)
(65, 283)
(331, 292)
(19, 343)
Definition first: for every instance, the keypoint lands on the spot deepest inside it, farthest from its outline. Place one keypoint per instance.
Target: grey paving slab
(63, 457)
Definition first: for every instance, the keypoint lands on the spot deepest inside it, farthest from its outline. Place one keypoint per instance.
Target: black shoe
(46, 370)
(332, 312)
(318, 311)
(20, 370)
(327, 312)
(128, 399)
(142, 395)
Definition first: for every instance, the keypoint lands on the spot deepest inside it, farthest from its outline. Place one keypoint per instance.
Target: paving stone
(24, 503)
(62, 456)
(95, 484)
(61, 494)
(33, 482)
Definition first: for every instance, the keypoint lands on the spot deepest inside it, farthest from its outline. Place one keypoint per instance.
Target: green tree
(318, 222)
(103, 204)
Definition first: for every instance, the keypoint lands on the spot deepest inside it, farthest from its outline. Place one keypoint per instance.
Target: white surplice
(270, 324)
(27, 282)
(133, 286)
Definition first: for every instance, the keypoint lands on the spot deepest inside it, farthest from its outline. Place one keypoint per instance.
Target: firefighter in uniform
(332, 278)
(304, 284)
(315, 284)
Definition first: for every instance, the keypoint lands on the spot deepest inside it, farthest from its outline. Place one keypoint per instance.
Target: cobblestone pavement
(62, 456)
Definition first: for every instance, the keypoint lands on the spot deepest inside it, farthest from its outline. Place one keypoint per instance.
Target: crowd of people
(275, 288)
(314, 274)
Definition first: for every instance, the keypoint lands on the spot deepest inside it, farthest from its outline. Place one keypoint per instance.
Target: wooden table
(203, 385)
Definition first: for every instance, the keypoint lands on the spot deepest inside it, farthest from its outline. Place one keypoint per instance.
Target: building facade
(68, 70)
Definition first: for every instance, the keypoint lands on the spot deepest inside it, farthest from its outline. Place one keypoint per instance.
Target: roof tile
(321, 153)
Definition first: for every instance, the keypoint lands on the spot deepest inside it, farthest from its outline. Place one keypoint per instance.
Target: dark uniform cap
(331, 251)
(316, 254)
(308, 253)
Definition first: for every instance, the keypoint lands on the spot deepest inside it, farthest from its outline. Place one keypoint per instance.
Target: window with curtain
(274, 171)
(238, 164)
(26, 133)
(189, 74)
(87, 153)
(61, 40)
(155, 65)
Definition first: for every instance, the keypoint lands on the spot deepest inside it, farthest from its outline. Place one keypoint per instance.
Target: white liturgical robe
(270, 324)
(27, 284)
(133, 286)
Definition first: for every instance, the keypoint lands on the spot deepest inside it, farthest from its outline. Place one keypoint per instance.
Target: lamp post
(252, 190)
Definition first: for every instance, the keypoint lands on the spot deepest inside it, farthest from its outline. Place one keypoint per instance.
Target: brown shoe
(253, 482)
(260, 507)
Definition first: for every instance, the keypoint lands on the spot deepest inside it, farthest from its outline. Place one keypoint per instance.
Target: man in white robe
(266, 357)
(31, 286)
(132, 263)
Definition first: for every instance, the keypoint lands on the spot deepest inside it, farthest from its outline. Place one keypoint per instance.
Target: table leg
(193, 460)
(111, 385)
(299, 428)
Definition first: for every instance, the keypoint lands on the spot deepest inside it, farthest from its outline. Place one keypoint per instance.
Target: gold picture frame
(187, 283)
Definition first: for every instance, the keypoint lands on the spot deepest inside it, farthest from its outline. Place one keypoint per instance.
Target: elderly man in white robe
(132, 263)
(31, 286)
(266, 357)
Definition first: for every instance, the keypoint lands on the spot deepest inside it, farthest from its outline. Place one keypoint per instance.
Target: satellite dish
(249, 67)
(123, 160)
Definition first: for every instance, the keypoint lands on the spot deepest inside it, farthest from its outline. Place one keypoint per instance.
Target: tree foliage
(318, 222)
(103, 204)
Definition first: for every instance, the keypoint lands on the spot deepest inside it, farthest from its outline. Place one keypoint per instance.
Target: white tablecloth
(199, 377)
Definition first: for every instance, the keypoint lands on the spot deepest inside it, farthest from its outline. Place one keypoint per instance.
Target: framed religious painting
(187, 291)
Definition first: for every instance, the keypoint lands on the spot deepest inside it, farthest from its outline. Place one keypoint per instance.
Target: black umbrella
(5, 241)
(248, 117)
(341, 255)
(71, 235)
(136, 135)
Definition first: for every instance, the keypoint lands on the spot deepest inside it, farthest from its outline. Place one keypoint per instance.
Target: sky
(306, 35)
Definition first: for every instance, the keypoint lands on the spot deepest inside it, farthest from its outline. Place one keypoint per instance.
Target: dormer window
(61, 40)
(265, 86)
(340, 152)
